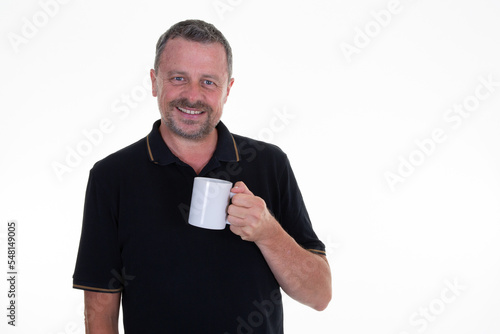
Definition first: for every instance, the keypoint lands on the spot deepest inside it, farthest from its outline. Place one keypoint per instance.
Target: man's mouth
(190, 112)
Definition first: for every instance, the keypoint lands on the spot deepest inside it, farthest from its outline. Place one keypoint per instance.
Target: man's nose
(192, 92)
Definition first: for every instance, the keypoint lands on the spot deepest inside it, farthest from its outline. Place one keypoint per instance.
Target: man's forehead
(172, 43)
(210, 55)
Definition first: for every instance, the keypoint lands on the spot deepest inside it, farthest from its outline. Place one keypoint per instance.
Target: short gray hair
(197, 31)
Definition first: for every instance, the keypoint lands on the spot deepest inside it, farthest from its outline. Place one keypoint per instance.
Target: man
(136, 244)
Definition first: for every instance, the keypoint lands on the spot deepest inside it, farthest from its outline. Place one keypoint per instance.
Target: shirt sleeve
(98, 264)
(294, 217)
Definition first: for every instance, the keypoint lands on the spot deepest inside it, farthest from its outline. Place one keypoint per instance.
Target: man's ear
(153, 82)
(229, 85)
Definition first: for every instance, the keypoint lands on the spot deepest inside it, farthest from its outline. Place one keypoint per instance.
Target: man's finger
(243, 200)
(237, 211)
(241, 188)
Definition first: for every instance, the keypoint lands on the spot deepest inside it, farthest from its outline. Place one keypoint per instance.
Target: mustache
(185, 103)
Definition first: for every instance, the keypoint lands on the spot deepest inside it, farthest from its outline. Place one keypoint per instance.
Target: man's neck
(195, 153)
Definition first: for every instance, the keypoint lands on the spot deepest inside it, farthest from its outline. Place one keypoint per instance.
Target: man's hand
(249, 216)
(301, 274)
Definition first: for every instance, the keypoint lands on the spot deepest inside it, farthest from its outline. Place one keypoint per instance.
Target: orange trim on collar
(235, 149)
(149, 150)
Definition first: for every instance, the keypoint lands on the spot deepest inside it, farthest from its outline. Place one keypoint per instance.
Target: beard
(201, 131)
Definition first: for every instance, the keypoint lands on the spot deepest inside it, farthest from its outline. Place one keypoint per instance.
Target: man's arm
(304, 276)
(101, 312)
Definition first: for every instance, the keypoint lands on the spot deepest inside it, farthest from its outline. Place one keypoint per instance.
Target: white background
(352, 118)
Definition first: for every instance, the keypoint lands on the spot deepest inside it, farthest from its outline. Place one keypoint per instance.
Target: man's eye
(178, 78)
(208, 82)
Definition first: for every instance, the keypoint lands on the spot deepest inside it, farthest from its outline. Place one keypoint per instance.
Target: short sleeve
(98, 264)
(293, 216)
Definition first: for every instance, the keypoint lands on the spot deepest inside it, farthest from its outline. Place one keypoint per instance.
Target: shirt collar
(160, 154)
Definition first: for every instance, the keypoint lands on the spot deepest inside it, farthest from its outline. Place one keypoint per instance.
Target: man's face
(191, 86)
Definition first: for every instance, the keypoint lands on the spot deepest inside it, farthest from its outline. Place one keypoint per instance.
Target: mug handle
(230, 197)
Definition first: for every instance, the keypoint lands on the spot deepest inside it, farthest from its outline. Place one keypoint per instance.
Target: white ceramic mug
(209, 202)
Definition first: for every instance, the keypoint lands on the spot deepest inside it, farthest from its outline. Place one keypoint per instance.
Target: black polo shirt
(174, 277)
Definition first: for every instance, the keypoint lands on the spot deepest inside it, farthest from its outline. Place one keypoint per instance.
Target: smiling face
(192, 87)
